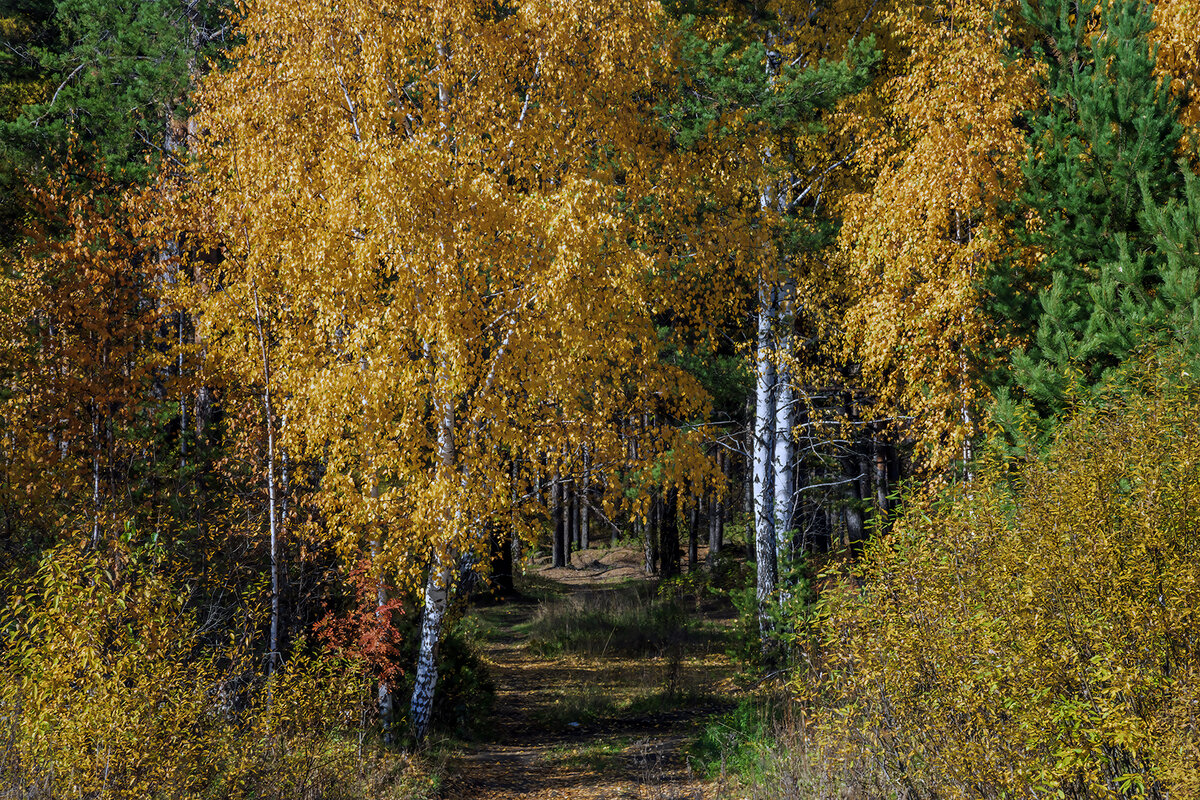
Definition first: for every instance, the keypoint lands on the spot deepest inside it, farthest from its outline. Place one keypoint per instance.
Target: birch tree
(754, 86)
(428, 201)
(943, 153)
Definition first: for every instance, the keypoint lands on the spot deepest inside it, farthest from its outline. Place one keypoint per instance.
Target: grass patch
(601, 756)
(741, 742)
(760, 751)
(630, 621)
(535, 587)
(586, 704)
(589, 704)
(659, 702)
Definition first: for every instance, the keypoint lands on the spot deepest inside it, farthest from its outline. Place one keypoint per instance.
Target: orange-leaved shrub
(1035, 633)
(108, 689)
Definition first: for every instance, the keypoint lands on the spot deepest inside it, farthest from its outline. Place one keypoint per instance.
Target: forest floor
(576, 726)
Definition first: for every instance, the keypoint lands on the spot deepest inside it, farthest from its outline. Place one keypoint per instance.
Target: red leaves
(368, 631)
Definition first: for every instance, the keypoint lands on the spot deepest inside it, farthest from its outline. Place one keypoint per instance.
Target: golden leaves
(1038, 637)
(426, 204)
(919, 239)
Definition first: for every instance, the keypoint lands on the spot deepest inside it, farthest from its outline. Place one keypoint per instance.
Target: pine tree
(113, 78)
(1101, 154)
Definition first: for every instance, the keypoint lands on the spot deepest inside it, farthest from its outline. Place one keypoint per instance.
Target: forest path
(583, 727)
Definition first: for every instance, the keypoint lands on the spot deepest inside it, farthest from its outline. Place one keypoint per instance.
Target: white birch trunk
(437, 599)
(274, 525)
(95, 479)
(584, 521)
(764, 466)
(785, 419)
(272, 521)
(437, 594)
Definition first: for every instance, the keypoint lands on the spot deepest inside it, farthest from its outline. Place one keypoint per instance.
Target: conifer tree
(112, 76)
(1102, 152)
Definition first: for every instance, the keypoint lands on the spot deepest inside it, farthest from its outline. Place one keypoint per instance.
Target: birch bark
(764, 461)
(437, 588)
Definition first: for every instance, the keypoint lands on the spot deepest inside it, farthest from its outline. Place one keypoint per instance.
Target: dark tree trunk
(568, 518)
(558, 539)
(502, 563)
(694, 535)
(652, 540)
(714, 521)
(669, 536)
(748, 476)
(854, 474)
(577, 516)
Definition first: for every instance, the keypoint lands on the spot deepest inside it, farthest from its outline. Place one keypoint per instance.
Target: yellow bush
(107, 691)
(1034, 635)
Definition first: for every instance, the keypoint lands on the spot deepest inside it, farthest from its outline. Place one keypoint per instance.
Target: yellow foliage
(423, 256)
(942, 156)
(108, 690)
(1177, 34)
(1033, 633)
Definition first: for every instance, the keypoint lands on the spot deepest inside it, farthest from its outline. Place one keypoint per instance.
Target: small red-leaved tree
(369, 630)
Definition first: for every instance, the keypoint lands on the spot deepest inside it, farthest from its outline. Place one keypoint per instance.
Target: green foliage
(1034, 632)
(465, 687)
(113, 79)
(1101, 163)
(740, 741)
(23, 24)
(790, 610)
(735, 86)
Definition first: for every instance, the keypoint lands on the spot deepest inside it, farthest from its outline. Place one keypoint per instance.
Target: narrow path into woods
(577, 727)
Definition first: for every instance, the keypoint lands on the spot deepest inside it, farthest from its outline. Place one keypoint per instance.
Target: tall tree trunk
(651, 527)
(584, 505)
(716, 512)
(269, 419)
(669, 534)
(568, 518)
(764, 463)
(514, 546)
(437, 591)
(881, 453)
(437, 597)
(693, 534)
(747, 465)
(384, 700)
(95, 477)
(785, 415)
(714, 545)
(558, 556)
(502, 561)
(852, 472)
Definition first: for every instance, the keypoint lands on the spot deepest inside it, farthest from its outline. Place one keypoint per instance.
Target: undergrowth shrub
(106, 690)
(1035, 633)
(465, 687)
(385, 640)
(762, 750)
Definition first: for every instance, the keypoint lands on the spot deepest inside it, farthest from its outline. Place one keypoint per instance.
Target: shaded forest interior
(664, 398)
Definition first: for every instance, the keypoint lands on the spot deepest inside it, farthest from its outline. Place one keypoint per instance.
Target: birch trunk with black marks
(584, 502)
(764, 462)
(437, 590)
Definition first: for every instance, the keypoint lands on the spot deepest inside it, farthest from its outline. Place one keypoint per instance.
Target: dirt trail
(585, 728)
